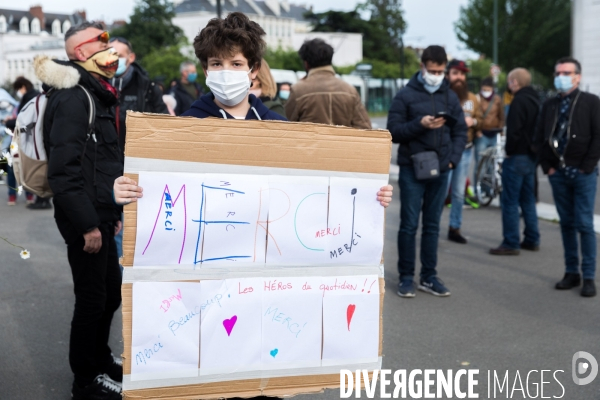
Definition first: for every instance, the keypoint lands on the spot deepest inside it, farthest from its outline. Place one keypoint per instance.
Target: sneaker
(589, 288)
(435, 286)
(115, 369)
(455, 236)
(569, 281)
(530, 246)
(29, 199)
(103, 388)
(12, 199)
(406, 288)
(504, 251)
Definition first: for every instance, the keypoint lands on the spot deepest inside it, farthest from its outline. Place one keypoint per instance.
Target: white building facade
(282, 21)
(585, 38)
(25, 34)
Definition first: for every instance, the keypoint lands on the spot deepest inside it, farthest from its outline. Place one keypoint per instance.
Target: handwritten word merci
(146, 355)
(336, 286)
(168, 213)
(281, 318)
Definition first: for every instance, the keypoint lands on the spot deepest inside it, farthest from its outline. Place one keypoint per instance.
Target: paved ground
(503, 313)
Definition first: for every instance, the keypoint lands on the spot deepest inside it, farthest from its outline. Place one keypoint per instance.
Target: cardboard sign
(226, 204)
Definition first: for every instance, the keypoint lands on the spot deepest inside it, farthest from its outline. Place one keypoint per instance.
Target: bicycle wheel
(486, 181)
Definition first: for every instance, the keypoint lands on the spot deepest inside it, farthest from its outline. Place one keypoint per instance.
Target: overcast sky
(429, 21)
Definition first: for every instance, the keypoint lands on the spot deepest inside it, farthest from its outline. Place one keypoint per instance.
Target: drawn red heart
(350, 313)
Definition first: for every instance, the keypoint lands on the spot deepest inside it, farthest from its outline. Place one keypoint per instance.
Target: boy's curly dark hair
(227, 36)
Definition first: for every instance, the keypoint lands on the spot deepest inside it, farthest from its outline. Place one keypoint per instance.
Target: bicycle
(488, 180)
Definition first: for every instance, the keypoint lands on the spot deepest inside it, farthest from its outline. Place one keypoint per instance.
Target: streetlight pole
(495, 32)
(219, 9)
(402, 59)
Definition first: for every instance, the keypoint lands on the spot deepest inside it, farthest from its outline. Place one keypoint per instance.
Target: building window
(2, 24)
(66, 26)
(56, 27)
(24, 25)
(35, 26)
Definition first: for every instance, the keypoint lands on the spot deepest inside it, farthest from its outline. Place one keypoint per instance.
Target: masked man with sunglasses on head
(569, 140)
(83, 161)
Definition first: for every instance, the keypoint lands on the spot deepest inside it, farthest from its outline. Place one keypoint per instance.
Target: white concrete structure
(279, 19)
(25, 34)
(585, 39)
(282, 21)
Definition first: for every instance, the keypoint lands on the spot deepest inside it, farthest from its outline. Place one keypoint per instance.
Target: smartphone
(450, 120)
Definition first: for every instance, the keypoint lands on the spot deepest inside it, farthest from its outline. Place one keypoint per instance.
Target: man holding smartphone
(437, 140)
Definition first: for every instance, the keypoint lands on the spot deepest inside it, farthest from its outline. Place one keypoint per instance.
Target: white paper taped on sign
(203, 220)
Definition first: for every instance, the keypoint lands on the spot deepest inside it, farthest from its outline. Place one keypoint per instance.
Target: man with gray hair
(518, 169)
(186, 91)
(83, 161)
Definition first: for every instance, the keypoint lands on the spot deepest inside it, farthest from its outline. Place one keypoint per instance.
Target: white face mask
(229, 87)
(486, 93)
(19, 94)
(432, 80)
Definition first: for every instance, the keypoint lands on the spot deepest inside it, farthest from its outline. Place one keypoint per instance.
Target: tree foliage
(382, 31)
(531, 33)
(150, 28)
(481, 69)
(284, 59)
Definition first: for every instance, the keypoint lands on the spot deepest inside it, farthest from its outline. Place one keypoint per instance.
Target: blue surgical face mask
(192, 77)
(284, 94)
(563, 83)
(122, 67)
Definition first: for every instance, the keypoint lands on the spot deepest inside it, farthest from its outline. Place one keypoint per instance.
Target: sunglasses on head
(104, 37)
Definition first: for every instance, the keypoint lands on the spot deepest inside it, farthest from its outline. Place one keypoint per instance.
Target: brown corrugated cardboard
(246, 143)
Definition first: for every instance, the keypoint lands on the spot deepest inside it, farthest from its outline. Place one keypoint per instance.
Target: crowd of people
(440, 126)
(438, 123)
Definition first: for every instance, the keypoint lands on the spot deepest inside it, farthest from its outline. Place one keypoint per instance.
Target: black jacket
(521, 122)
(30, 94)
(139, 94)
(583, 145)
(81, 168)
(410, 105)
(183, 97)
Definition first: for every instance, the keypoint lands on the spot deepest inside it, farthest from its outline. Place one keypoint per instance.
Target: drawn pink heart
(229, 324)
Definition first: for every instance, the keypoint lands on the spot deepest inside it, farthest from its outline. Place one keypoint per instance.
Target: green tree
(531, 33)
(381, 32)
(284, 59)
(481, 69)
(164, 63)
(150, 27)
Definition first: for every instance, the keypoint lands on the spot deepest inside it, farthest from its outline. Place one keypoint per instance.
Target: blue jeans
(518, 190)
(457, 179)
(416, 196)
(574, 199)
(480, 144)
(119, 239)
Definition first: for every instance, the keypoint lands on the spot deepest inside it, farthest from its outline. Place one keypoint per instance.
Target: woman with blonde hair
(265, 88)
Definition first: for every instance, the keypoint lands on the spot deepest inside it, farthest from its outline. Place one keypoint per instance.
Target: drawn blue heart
(274, 352)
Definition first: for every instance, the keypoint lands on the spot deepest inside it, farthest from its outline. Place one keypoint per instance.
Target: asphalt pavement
(503, 314)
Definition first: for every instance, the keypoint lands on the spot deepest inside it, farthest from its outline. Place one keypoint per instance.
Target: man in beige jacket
(321, 97)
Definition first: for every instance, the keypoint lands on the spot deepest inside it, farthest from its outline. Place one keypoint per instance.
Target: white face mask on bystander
(229, 87)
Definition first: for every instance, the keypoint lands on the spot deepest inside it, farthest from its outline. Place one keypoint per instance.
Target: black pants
(97, 285)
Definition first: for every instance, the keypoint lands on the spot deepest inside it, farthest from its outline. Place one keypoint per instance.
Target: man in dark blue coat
(414, 122)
